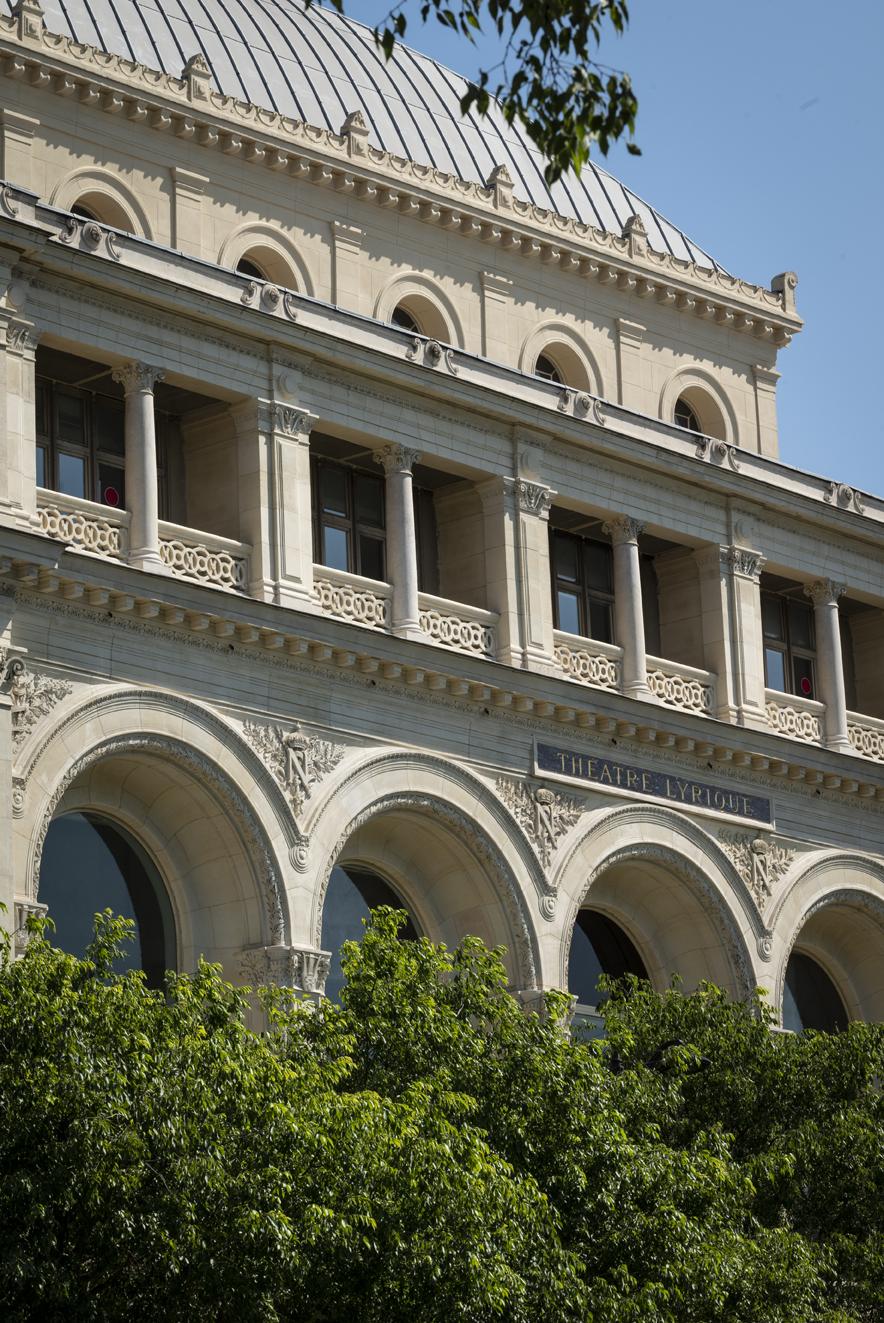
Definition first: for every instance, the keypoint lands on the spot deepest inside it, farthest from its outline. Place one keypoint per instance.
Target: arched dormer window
(405, 320)
(246, 267)
(546, 368)
(686, 415)
(104, 209)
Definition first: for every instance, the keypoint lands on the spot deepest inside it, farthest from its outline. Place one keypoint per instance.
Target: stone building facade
(377, 523)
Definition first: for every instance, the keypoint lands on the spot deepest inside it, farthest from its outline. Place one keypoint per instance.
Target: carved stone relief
(301, 968)
(297, 760)
(33, 696)
(760, 862)
(544, 815)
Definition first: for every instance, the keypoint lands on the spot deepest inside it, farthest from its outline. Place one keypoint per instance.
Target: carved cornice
(191, 109)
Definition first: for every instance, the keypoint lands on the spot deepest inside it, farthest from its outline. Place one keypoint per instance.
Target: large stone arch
(444, 840)
(570, 352)
(672, 888)
(833, 910)
(428, 303)
(181, 781)
(112, 201)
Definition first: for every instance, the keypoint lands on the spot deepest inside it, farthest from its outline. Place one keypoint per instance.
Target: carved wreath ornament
(759, 862)
(297, 760)
(544, 815)
(33, 696)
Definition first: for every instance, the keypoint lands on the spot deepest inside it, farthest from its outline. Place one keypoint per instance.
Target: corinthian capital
(134, 376)
(825, 592)
(396, 459)
(623, 529)
(741, 560)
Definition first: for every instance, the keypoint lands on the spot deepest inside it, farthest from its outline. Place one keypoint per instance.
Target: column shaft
(824, 594)
(142, 492)
(397, 463)
(628, 615)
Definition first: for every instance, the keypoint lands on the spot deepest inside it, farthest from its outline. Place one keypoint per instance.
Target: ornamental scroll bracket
(718, 452)
(432, 354)
(266, 297)
(760, 863)
(582, 405)
(298, 761)
(846, 498)
(89, 236)
(544, 815)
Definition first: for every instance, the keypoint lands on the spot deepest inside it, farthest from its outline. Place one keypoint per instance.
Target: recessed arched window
(405, 320)
(686, 415)
(810, 998)
(352, 894)
(90, 864)
(78, 209)
(102, 207)
(246, 267)
(547, 369)
(599, 946)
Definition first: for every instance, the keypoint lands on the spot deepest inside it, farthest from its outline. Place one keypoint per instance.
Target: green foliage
(547, 77)
(426, 1150)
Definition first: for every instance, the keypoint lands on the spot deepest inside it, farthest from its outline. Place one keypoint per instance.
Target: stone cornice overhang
(181, 286)
(190, 109)
(188, 611)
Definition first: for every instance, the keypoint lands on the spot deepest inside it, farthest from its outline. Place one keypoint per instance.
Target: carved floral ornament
(301, 968)
(33, 696)
(533, 498)
(175, 104)
(761, 863)
(297, 760)
(743, 561)
(544, 815)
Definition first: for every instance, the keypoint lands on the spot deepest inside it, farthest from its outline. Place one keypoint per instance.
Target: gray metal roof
(315, 66)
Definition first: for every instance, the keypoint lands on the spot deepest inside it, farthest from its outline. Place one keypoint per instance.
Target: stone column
(291, 509)
(517, 575)
(742, 600)
(824, 593)
(18, 442)
(716, 626)
(629, 623)
(142, 491)
(397, 463)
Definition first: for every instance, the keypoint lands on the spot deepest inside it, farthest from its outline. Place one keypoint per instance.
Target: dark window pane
(775, 669)
(568, 612)
(567, 558)
(802, 672)
(108, 421)
(71, 422)
(801, 625)
(352, 894)
(598, 566)
(111, 486)
(42, 409)
(599, 946)
(41, 466)
(772, 617)
(685, 416)
(600, 622)
(371, 557)
(72, 474)
(370, 501)
(333, 490)
(335, 548)
(811, 1000)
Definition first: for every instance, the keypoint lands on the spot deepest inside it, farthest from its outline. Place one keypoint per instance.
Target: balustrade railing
(457, 626)
(350, 597)
(684, 687)
(588, 661)
(798, 718)
(204, 557)
(866, 734)
(86, 525)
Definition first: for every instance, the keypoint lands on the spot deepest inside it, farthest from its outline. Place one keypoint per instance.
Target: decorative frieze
(33, 696)
(544, 815)
(297, 760)
(299, 967)
(760, 862)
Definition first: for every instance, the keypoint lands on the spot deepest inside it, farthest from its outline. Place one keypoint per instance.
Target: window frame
(586, 595)
(784, 645)
(355, 529)
(691, 426)
(552, 374)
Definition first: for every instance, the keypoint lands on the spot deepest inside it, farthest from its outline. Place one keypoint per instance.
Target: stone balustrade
(350, 597)
(457, 626)
(204, 557)
(684, 687)
(588, 661)
(866, 735)
(86, 525)
(798, 718)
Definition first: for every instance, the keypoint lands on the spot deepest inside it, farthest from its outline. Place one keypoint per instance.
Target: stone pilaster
(397, 463)
(142, 491)
(741, 567)
(290, 505)
(629, 624)
(825, 593)
(517, 569)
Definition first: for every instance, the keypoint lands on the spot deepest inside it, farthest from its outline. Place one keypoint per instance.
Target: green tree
(548, 76)
(426, 1150)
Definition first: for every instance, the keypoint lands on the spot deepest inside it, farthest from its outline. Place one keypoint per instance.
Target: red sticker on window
(111, 496)
(806, 687)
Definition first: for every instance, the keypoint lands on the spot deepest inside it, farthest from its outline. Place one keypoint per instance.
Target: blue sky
(760, 124)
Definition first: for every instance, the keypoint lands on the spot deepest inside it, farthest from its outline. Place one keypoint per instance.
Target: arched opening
(246, 267)
(548, 369)
(420, 314)
(90, 864)
(405, 320)
(352, 894)
(599, 946)
(561, 364)
(263, 262)
(697, 411)
(810, 998)
(105, 209)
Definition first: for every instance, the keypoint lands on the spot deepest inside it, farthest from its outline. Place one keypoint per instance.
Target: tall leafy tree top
(548, 77)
